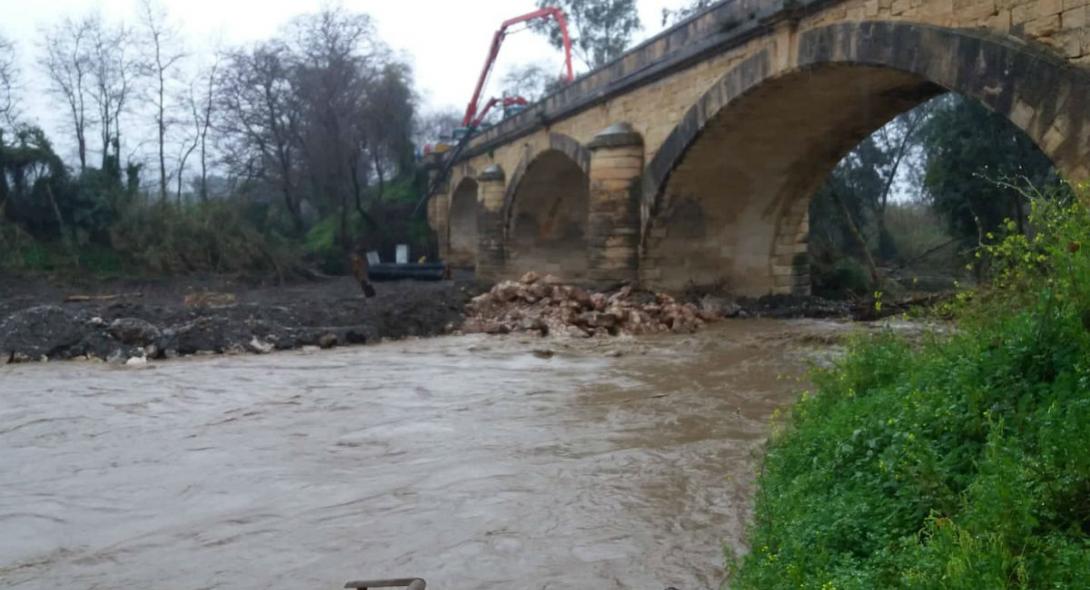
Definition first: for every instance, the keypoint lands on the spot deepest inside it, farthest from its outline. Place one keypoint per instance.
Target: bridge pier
(613, 227)
(490, 253)
(439, 221)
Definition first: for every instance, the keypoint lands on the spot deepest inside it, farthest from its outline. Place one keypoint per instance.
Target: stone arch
(756, 145)
(559, 142)
(546, 211)
(462, 233)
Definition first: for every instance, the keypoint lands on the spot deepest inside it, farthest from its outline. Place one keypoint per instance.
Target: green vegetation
(292, 152)
(960, 462)
(600, 30)
(918, 198)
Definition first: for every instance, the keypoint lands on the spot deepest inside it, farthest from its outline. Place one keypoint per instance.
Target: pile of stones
(542, 305)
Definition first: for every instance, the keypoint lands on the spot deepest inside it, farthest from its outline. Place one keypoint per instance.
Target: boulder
(328, 340)
(43, 331)
(134, 331)
(210, 333)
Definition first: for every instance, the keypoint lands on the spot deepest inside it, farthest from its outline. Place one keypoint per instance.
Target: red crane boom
(494, 51)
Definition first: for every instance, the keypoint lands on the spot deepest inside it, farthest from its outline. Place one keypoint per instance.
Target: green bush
(961, 462)
(846, 277)
(203, 237)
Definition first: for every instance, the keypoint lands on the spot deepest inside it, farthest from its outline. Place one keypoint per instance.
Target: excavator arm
(471, 115)
(474, 113)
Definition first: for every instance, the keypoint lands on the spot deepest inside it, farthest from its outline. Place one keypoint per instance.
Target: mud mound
(167, 322)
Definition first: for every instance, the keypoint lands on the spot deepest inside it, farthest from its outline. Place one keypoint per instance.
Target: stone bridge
(692, 158)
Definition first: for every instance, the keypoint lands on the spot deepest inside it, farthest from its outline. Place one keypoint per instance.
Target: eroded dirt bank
(473, 461)
(130, 321)
(118, 320)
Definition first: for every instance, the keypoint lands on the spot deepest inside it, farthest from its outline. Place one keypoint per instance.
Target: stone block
(620, 161)
(1070, 43)
(781, 270)
(621, 185)
(1022, 114)
(1055, 136)
(615, 173)
(1048, 7)
(1074, 18)
(1001, 21)
(1044, 26)
(650, 273)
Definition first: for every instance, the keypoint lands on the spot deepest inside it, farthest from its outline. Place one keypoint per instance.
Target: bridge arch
(725, 198)
(462, 245)
(546, 211)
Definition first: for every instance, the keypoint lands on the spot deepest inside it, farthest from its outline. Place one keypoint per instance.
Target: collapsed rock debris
(541, 304)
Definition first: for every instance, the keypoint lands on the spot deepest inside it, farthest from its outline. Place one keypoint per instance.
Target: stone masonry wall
(655, 109)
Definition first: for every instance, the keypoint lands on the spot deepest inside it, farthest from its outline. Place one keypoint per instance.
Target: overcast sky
(445, 40)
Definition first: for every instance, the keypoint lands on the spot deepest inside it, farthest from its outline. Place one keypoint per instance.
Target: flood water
(473, 462)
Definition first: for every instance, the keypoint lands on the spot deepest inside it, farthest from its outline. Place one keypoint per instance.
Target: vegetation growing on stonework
(958, 462)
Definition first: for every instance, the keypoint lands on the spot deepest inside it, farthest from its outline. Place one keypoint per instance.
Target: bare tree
(318, 116)
(65, 60)
(113, 72)
(188, 145)
(202, 106)
(338, 60)
(164, 54)
(200, 101)
(259, 119)
(8, 73)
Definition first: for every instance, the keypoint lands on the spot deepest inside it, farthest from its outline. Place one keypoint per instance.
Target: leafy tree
(854, 198)
(601, 29)
(970, 151)
(436, 125)
(531, 81)
(676, 15)
(841, 209)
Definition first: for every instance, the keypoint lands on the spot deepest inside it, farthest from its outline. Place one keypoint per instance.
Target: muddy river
(474, 462)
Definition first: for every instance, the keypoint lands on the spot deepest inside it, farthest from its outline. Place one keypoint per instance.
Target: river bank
(49, 318)
(56, 318)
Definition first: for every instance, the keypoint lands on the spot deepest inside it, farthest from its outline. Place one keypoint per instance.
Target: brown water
(470, 461)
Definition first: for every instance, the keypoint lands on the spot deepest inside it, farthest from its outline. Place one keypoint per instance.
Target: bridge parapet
(712, 31)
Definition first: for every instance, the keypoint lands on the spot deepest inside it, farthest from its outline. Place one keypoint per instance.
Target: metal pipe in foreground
(410, 583)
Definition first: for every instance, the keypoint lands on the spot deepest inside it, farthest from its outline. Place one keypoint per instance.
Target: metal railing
(410, 583)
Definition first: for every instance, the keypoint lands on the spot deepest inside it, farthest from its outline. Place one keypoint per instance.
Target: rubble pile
(542, 305)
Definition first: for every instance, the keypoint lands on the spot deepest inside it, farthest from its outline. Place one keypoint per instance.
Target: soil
(48, 318)
(55, 318)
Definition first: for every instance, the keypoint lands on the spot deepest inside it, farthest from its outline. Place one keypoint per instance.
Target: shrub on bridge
(960, 462)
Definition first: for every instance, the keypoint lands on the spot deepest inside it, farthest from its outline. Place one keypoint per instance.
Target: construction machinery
(475, 113)
(472, 118)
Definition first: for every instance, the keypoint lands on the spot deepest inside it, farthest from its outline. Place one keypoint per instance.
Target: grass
(959, 463)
